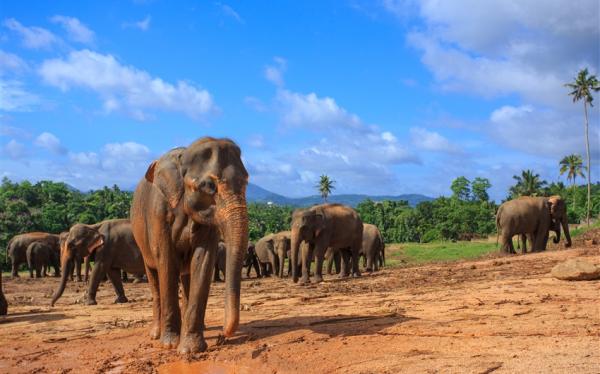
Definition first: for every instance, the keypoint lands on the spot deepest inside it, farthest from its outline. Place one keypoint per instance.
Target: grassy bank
(417, 253)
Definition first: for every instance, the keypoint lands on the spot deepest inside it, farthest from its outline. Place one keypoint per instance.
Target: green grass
(583, 228)
(417, 253)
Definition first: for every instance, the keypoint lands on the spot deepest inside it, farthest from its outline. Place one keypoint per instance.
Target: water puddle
(202, 367)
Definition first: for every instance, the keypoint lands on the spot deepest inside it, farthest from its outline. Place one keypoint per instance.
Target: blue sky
(386, 97)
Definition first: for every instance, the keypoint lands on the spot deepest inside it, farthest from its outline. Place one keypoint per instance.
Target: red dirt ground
(501, 315)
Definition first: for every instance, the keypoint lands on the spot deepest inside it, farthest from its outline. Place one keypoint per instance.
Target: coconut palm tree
(582, 88)
(325, 186)
(572, 165)
(528, 184)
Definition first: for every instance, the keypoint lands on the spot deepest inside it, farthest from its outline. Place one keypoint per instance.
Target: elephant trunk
(295, 246)
(67, 268)
(281, 262)
(565, 226)
(232, 216)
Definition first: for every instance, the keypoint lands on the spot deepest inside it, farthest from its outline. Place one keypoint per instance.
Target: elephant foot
(318, 279)
(192, 343)
(343, 275)
(169, 340)
(79, 279)
(356, 275)
(304, 282)
(155, 331)
(90, 302)
(121, 299)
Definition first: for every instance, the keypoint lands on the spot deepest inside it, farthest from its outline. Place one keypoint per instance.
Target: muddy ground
(501, 315)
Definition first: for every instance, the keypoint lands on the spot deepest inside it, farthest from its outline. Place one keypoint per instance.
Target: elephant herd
(188, 227)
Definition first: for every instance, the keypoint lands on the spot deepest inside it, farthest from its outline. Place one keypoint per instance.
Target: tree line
(469, 213)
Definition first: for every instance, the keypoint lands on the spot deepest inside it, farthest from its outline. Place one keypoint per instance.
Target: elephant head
(207, 183)
(558, 212)
(307, 224)
(80, 241)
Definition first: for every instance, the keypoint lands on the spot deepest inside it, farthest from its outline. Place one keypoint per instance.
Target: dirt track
(496, 315)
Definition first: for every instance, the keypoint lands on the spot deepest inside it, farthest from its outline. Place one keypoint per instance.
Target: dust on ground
(500, 315)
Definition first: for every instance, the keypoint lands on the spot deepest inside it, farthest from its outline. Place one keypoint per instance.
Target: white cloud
(143, 25)
(230, 12)
(256, 141)
(503, 47)
(50, 142)
(274, 73)
(33, 37)
(542, 132)
(14, 150)
(76, 30)
(85, 159)
(125, 88)
(431, 141)
(11, 63)
(14, 98)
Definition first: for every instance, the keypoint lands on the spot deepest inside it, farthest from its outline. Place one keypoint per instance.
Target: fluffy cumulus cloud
(501, 47)
(431, 141)
(76, 31)
(11, 63)
(50, 142)
(32, 37)
(542, 132)
(125, 88)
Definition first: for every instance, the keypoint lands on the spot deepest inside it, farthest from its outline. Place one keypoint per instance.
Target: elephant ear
(319, 221)
(166, 175)
(555, 204)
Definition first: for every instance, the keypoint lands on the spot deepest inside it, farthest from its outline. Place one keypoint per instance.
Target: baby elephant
(251, 261)
(39, 257)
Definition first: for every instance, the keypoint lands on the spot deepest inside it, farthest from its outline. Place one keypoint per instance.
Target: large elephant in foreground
(322, 226)
(114, 249)
(17, 248)
(533, 217)
(3, 302)
(187, 199)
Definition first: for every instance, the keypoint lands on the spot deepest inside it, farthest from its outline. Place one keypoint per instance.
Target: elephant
(185, 201)
(333, 257)
(251, 261)
(273, 249)
(221, 262)
(17, 248)
(114, 249)
(39, 257)
(532, 217)
(267, 257)
(323, 226)
(373, 247)
(3, 302)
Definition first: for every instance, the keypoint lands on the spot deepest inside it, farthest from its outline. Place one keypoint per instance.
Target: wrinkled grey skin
(221, 262)
(322, 226)
(39, 258)
(17, 248)
(532, 217)
(251, 261)
(267, 257)
(3, 302)
(114, 249)
(185, 201)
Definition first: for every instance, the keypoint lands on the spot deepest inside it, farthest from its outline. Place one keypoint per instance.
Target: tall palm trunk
(589, 171)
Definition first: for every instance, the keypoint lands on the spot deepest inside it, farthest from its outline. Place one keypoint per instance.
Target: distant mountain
(258, 194)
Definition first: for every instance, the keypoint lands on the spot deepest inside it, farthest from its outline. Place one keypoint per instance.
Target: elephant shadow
(333, 326)
(32, 317)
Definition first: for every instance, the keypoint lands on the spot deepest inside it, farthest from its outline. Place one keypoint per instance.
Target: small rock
(576, 269)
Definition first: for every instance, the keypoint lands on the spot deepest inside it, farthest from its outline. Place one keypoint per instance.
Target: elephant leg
(15, 269)
(97, 275)
(355, 258)
(369, 259)
(87, 268)
(306, 264)
(344, 263)
(38, 271)
(168, 279)
(115, 278)
(185, 286)
(337, 261)
(330, 265)
(154, 287)
(201, 268)
(319, 257)
(31, 268)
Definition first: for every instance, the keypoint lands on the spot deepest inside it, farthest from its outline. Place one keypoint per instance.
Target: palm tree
(582, 88)
(325, 186)
(572, 165)
(528, 184)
